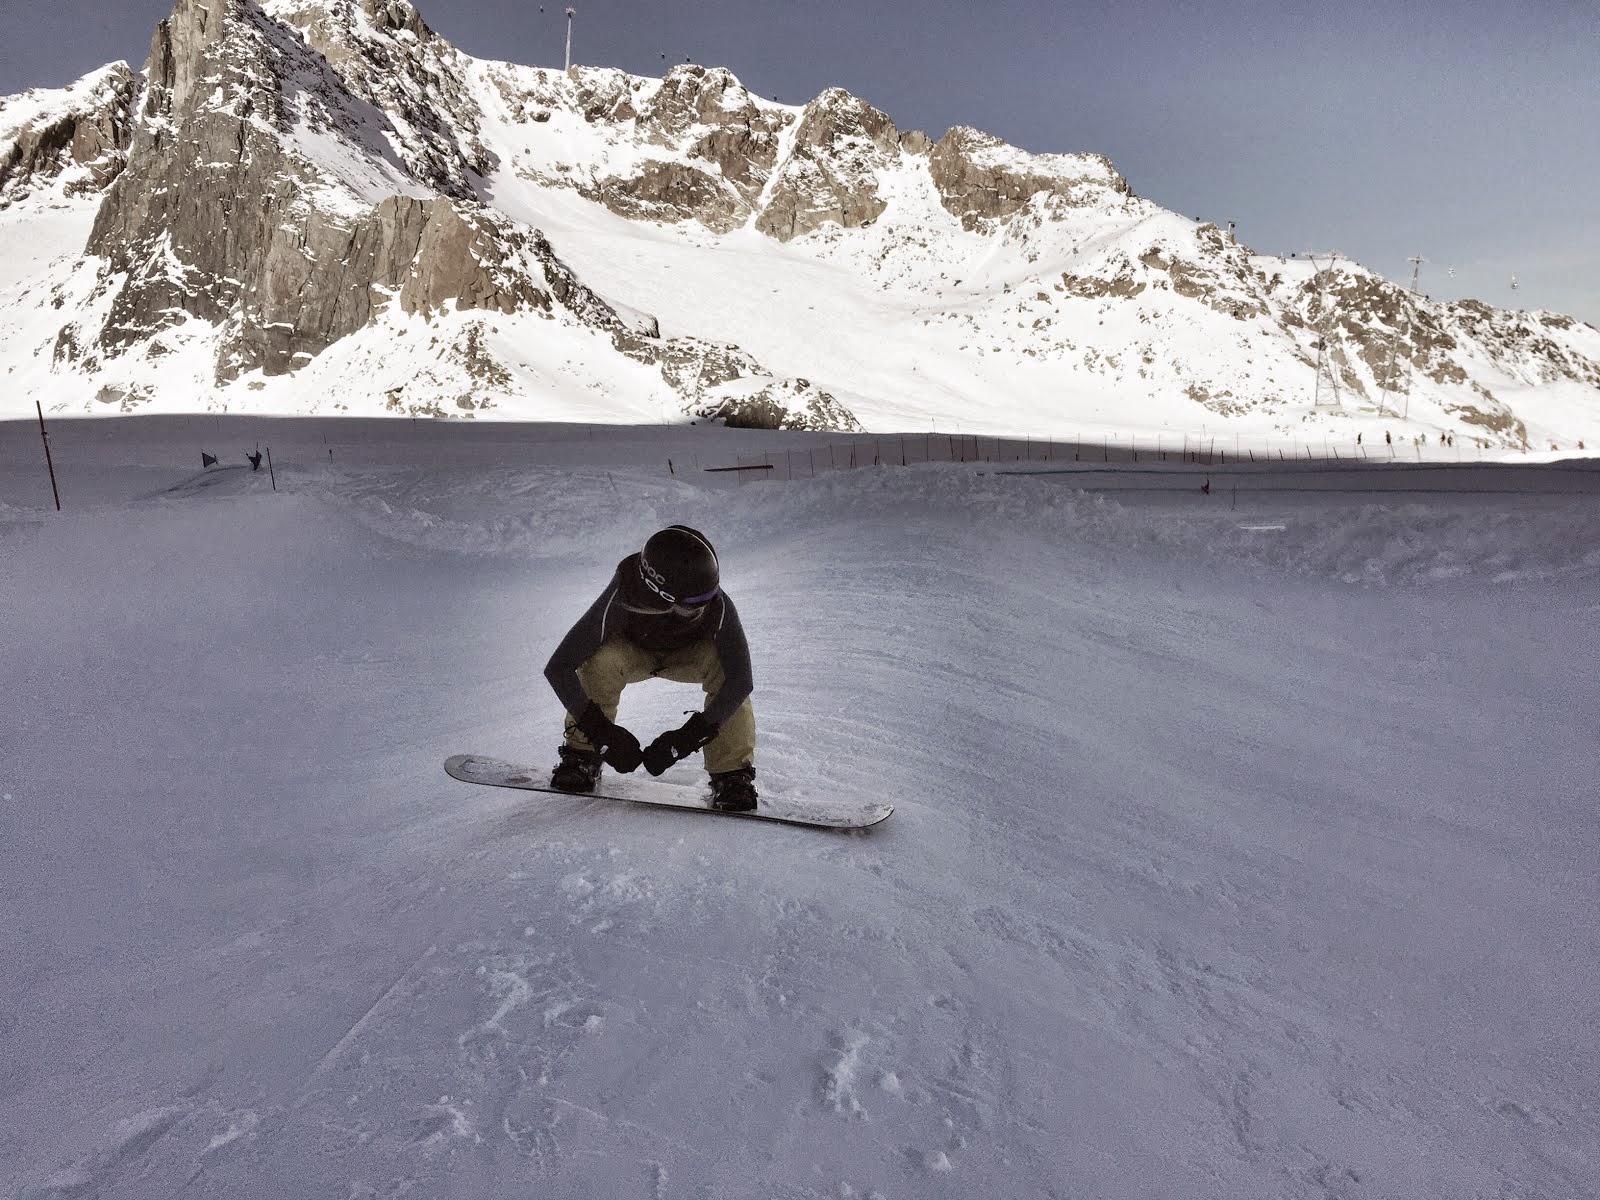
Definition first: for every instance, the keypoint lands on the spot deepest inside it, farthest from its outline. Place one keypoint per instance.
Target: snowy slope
(1212, 873)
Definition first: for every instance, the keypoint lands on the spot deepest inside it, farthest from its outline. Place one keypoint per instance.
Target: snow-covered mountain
(321, 206)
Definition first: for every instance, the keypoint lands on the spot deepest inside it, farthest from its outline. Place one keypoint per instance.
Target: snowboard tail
(667, 793)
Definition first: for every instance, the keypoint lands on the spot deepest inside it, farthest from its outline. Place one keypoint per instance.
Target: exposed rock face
(982, 180)
(708, 117)
(406, 72)
(781, 404)
(602, 95)
(1218, 276)
(840, 148)
(668, 191)
(322, 282)
(85, 138)
(219, 218)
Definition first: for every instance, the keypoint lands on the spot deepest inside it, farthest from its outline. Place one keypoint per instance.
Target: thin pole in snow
(48, 461)
(570, 14)
(270, 472)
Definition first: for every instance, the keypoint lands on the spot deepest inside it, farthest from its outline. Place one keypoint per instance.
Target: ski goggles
(687, 607)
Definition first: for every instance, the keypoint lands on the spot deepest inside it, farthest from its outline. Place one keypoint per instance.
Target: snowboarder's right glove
(617, 748)
(678, 743)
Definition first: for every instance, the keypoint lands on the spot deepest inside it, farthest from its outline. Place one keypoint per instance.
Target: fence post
(48, 461)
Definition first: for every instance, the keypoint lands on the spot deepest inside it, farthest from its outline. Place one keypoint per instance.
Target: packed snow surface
(1243, 844)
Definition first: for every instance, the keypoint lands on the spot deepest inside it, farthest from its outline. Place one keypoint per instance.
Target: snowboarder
(663, 614)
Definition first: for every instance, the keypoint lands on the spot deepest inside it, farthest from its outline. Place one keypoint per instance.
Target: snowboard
(668, 793)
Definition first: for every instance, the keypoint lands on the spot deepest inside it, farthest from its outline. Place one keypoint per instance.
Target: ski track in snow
(1220, 866)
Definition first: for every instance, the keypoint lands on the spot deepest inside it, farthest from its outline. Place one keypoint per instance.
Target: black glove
(678, 743)
(618, 748)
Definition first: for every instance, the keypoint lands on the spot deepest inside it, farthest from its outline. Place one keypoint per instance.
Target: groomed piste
(1243, 846)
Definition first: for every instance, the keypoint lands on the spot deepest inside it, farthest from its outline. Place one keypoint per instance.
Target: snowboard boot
(578, 771)
(734, 791)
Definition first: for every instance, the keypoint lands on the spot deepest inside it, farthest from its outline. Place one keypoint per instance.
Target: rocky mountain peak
(836, 119)
(843, 149)
(693, 95)
(76, 137)
(326, 21)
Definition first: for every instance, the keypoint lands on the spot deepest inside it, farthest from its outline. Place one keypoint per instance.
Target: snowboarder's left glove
(678, 743)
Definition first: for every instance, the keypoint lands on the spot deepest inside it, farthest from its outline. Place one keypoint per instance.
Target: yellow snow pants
(620, 662)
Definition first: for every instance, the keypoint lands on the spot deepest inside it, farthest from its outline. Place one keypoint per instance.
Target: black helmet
(679, 566)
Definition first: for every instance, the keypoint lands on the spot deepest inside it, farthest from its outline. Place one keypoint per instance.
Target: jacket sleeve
(734, 651)
(582, 640)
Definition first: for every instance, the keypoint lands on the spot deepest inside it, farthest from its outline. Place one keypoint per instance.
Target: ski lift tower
(1327, 373)
(571, 12)
(1416, 261)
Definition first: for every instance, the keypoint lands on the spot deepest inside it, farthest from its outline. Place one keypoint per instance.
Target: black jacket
(610, 616)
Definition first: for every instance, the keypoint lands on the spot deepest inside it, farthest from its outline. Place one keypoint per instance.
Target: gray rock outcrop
(86, 139)
(217, 217)
(982, 180)
(841, 148)
(708, 117)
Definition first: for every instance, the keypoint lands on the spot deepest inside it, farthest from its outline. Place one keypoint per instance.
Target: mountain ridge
(325, 197)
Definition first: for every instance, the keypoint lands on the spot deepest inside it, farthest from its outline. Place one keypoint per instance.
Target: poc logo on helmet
(653, 579)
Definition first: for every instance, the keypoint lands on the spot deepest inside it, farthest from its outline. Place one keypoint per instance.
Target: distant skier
(663, 614)
(255, 460)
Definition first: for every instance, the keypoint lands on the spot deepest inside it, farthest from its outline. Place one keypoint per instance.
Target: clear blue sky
(1466, 131)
